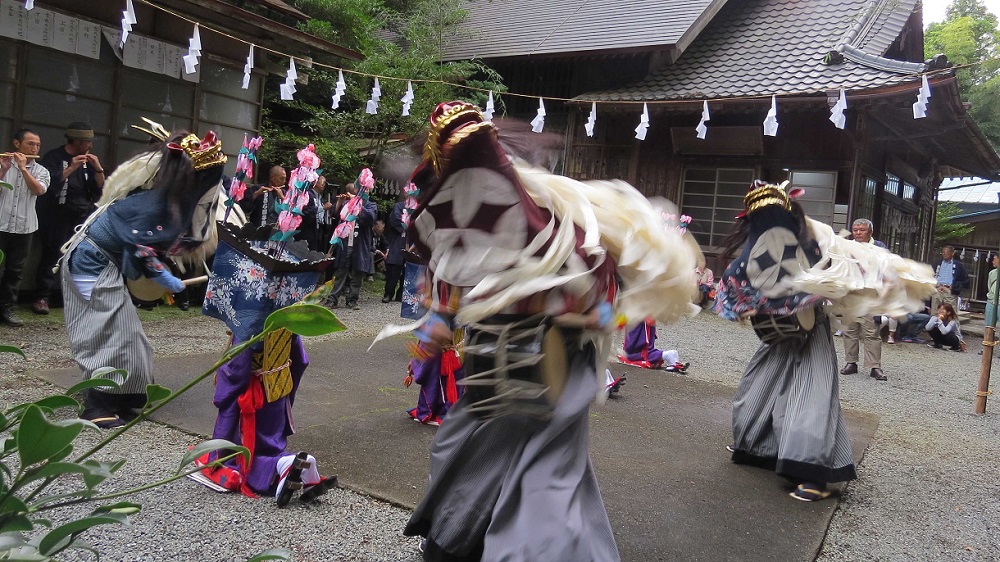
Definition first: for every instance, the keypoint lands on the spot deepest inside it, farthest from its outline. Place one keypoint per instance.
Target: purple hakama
(273, 420)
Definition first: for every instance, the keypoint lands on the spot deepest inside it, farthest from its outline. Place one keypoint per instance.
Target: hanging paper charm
(705, 117)
(976, 257)
(247, 68)
(29, 4)
(340, 89)
(539, 121)
(837, 116)
(288, 88)
(923, 96)
(771, 121)
(640, 131)
(488, 114)
(407, 98)
(371, 107)
(194, 51)
(591, 119)
(128, 20)
(962, 255)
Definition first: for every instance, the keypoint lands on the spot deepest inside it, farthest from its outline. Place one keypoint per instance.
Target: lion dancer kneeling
(640, 350)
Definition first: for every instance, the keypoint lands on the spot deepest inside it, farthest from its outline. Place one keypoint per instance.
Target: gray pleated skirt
(105, 331)
(515, 488)
(786, 414)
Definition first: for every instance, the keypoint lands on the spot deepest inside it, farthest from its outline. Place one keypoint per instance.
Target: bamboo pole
(989, 342)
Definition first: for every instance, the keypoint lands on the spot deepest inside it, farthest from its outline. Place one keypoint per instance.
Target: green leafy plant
(946, 228)
(39, 451)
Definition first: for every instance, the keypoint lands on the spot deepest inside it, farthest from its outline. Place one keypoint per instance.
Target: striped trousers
(105, 330)
(786, 414)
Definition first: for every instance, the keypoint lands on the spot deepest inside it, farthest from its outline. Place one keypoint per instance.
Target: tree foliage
(970, 36)
(400, 40)
(945, 227)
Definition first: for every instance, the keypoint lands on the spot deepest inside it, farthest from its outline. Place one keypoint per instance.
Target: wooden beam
(225, 15)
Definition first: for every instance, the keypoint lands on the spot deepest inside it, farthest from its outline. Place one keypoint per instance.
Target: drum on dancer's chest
(772, 328)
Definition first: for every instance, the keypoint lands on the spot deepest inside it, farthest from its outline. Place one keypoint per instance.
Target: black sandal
(311, 493)
(293, 480)
(107, 422)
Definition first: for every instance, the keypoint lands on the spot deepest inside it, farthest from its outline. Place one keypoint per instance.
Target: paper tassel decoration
(962, 255)
(640, 131)
(923, 96)
(341, 87)
(288, 88)
(705, 117)
(194, 51)
(247, 68)
(407, 98)
(591, 119)
(30, 4)
(412, 193)
(488, 114)
(539, 121)
(245, 162)
(296, 196)
(837, 116)
(771, 121)
(976, 257)
(128, 20)
(350, 211)
(371, 107)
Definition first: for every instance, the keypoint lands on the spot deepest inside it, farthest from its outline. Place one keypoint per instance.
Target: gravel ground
(926, 490)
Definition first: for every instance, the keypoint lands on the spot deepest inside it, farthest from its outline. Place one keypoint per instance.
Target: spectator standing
(395, 234)
(356, 259)
(324, 215)
(77, 182)
(18, 219)
(862, 230)
(952, 279)
(991, 292)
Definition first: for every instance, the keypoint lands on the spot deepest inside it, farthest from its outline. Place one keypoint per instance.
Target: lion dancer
(510, 470)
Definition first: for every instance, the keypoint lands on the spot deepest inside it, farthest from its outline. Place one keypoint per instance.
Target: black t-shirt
(76, 196)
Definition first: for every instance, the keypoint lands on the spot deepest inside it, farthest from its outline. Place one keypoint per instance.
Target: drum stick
(195, 280)
(11, 154)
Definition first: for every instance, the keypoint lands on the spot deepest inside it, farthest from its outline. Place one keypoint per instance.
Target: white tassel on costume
(863, 279)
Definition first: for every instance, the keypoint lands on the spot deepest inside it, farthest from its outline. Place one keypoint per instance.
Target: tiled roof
(969, 190)
(510, 28)
(764, 47)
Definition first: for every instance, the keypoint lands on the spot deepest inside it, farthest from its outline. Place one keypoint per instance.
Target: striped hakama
(105, 331)
(515, 487)
(786, 414)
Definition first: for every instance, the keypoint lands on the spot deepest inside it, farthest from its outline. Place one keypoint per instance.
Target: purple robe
(639, 344)
(432, 404)
(273, 420)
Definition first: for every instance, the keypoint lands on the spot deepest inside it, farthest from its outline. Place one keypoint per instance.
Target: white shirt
(17, 206)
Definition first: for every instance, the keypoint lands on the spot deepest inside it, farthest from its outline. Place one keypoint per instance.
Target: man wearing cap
(77, 184)
(28, 179)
